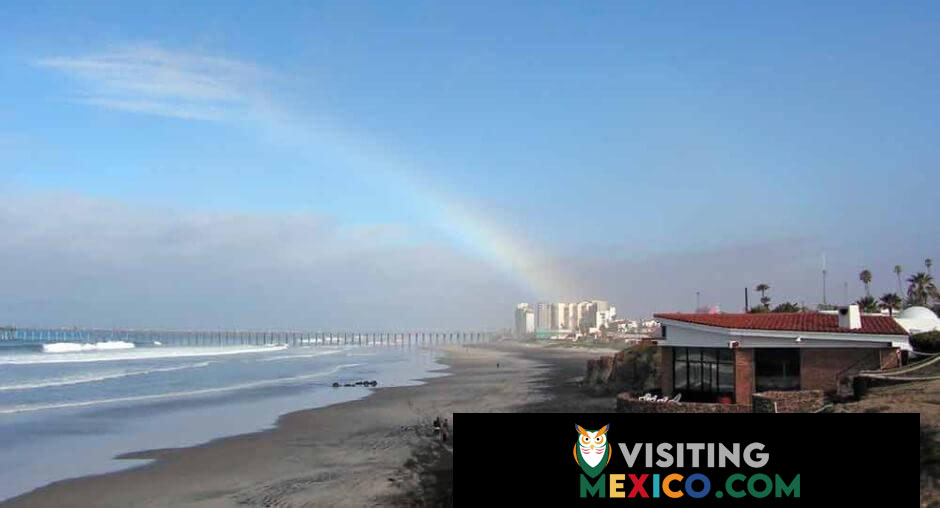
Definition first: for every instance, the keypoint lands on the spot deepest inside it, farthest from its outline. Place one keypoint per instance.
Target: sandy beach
(380, 450)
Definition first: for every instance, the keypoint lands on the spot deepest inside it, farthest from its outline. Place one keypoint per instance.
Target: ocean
(68, 408)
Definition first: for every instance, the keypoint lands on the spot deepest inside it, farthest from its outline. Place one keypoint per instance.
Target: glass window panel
(777, 369)
(681, 376)
(725, 378)
(681, 354)
(695, 376)
(725, 355)
(695, 354)
(709, 355)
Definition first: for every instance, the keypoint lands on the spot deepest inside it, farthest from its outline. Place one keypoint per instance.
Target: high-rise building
(543, 317)
(595, 314)
(557, 320)
(560, 317)
(525, 321)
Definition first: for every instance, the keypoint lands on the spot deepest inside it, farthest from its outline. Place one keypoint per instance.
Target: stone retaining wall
(626, 403)
(804, 401)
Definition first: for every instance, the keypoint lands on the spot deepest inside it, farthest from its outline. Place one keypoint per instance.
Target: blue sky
(620, 150)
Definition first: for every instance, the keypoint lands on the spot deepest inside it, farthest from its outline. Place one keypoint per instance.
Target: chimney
(850, 318)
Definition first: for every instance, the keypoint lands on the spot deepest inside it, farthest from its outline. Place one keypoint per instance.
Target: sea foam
(129, 354)
(76, 347)
(173, 395)
(92, 378)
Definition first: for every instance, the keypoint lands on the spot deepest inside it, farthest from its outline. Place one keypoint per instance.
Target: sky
(405, 165)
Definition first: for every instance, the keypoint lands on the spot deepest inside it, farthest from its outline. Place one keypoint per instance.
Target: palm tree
(928, 263)
(890, 301)
(865, 277)
(788, 307)
(921, 289)
(762, 288)
(867, 304)
(897, 271)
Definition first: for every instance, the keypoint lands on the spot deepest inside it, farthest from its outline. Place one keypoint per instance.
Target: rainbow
(521, 262)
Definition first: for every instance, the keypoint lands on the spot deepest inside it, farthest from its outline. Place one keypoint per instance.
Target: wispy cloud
(151, 80)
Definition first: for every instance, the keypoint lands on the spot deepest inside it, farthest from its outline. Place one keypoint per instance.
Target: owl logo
(591, 452)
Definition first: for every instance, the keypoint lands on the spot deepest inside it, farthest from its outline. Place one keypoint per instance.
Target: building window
(663, 328)
(703, 374)
(777, 369)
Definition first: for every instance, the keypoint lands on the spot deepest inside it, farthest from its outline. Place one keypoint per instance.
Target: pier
(245, 337)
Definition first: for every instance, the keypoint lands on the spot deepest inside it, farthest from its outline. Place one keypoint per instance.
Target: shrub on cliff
(928, 342)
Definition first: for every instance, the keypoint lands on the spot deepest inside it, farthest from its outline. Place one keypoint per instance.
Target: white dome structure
(917, 313)
(918, 320)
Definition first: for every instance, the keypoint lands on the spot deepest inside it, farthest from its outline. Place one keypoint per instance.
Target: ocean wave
(75, 347)
(134, 354)
(95, 378)
(292, 357)
(160, 396)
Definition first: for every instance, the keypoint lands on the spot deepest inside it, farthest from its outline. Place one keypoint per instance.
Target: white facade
(918, 320)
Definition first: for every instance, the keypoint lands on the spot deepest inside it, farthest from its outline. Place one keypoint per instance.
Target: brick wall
(743, 376)
(889, 358)
(666, 371)
(804, 401)
(626, 403)
(820, 367)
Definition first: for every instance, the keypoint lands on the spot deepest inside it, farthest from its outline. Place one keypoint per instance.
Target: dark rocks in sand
(358, 383)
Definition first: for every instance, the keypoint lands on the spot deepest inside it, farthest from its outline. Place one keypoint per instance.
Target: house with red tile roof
(728, 357)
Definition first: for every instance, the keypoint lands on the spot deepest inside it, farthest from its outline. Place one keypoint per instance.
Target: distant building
(561, 316)
(562, 319)
(525, 321)
(649, 323)
(543, 317)
(595, 314)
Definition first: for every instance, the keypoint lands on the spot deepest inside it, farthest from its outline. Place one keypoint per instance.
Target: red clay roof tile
(797, 322)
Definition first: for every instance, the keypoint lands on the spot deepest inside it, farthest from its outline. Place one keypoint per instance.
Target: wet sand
(380, 450)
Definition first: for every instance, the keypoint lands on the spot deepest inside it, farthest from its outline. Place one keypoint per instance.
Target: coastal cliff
(634, 370)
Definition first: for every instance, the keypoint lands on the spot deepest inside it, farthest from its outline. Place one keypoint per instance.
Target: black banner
(687, 459)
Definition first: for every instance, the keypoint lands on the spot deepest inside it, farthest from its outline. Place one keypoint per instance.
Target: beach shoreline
(376, 450)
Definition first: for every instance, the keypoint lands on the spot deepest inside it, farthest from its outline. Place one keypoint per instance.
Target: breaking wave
(160, 396)
(95, 378)
(294, 357)
(133, 354)
(76, 347)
